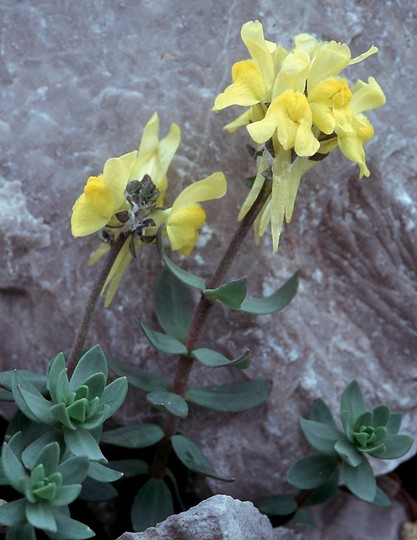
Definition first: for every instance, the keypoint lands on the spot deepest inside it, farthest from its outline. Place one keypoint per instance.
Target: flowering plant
(298, 110)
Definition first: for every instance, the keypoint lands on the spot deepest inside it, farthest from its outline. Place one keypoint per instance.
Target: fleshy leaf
(173, 306)
(13, 513)
(74, 469)
(137, 436)
(234, 397)
(312, 471)
(95, 491)
(348, 452)
(92, 361)
(393, 447)
(321, 436)
(81, 443)
(278, 505)
(183, 275)
(169, 403)
(273, 303)
(381, 498)
(6, 379)
(163, 342)
(137, 377)
(41, 516)
(31, 402)
(352, 401)
(231, 294)
(320, 412)
(114, 395)
(324, 492)
(101, 473)
(192, 457)
(214, 359)
(360, 480)
(152, 504)
(70, 528)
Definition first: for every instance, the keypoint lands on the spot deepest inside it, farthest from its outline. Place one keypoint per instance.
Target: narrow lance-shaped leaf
(214, 359)
(163, 342)
(137, 436)
(152, 504)
(193, 458)
(234, 397)
(273, 303)
(137, 377)
(173, 306)
(312, 471)
(360, 480)
(321, 436)
(231, 294)
(169, 403)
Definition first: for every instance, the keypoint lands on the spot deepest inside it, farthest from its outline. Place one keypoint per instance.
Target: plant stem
(91, 304)
(185, 363)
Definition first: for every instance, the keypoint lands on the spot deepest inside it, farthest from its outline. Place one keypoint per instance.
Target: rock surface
(78, 83)
(217, 518)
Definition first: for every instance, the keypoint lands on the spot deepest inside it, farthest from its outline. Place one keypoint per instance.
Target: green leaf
(348, 452)
(381, 498)
(101, 473)
(93, 361)
(74, 469)
(214, 359)
(49, 457)
(273, 303)
(231, 294)
(322, 437)
(21, 532)
(394, 446)
(183, 275)
(173, 306)
(13, 513)
(81, 443)
(152, 504)
(130, 467)
(234, 397)
(163, 342)
(58, 385)
(176, 492)
(394, 423)
(95, 491)
(70, 528)
(41, 516)
(312, 471)
(14, 470)
(192, 457)
(137, 377)
(381, 415)
(169, 403)
(36, 379)
(31, 402)
(66, 495)
(301, 517)
(278, 505)
(360, 480)
(352, 405)
(323, 492)
(137, 436)
(320, 412)
(114, 395)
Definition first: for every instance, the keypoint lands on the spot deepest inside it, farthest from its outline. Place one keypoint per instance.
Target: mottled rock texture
(79, 80)
(217, 518)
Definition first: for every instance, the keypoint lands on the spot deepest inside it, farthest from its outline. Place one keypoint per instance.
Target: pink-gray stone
(218, 518)
(78, 83)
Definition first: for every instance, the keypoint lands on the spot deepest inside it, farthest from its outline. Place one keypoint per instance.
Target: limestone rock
(217, 518)
(80, 80)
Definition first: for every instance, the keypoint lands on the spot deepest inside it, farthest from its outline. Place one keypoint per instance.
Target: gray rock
(217, 518)
(78, 83)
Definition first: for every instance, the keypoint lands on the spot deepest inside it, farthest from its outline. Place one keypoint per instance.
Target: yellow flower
(300, 109)
(103, 196)
(186, 216)
(154, 156)
(291, 116)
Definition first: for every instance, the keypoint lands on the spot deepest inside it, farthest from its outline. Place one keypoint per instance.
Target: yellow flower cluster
(300, 109)
(105, 200)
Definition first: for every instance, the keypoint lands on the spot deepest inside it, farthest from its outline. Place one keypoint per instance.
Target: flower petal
(248, 87)
(212, 187)
(182, 227)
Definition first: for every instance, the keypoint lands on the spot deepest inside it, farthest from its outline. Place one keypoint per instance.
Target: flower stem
(185, 363)
(91, 304)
